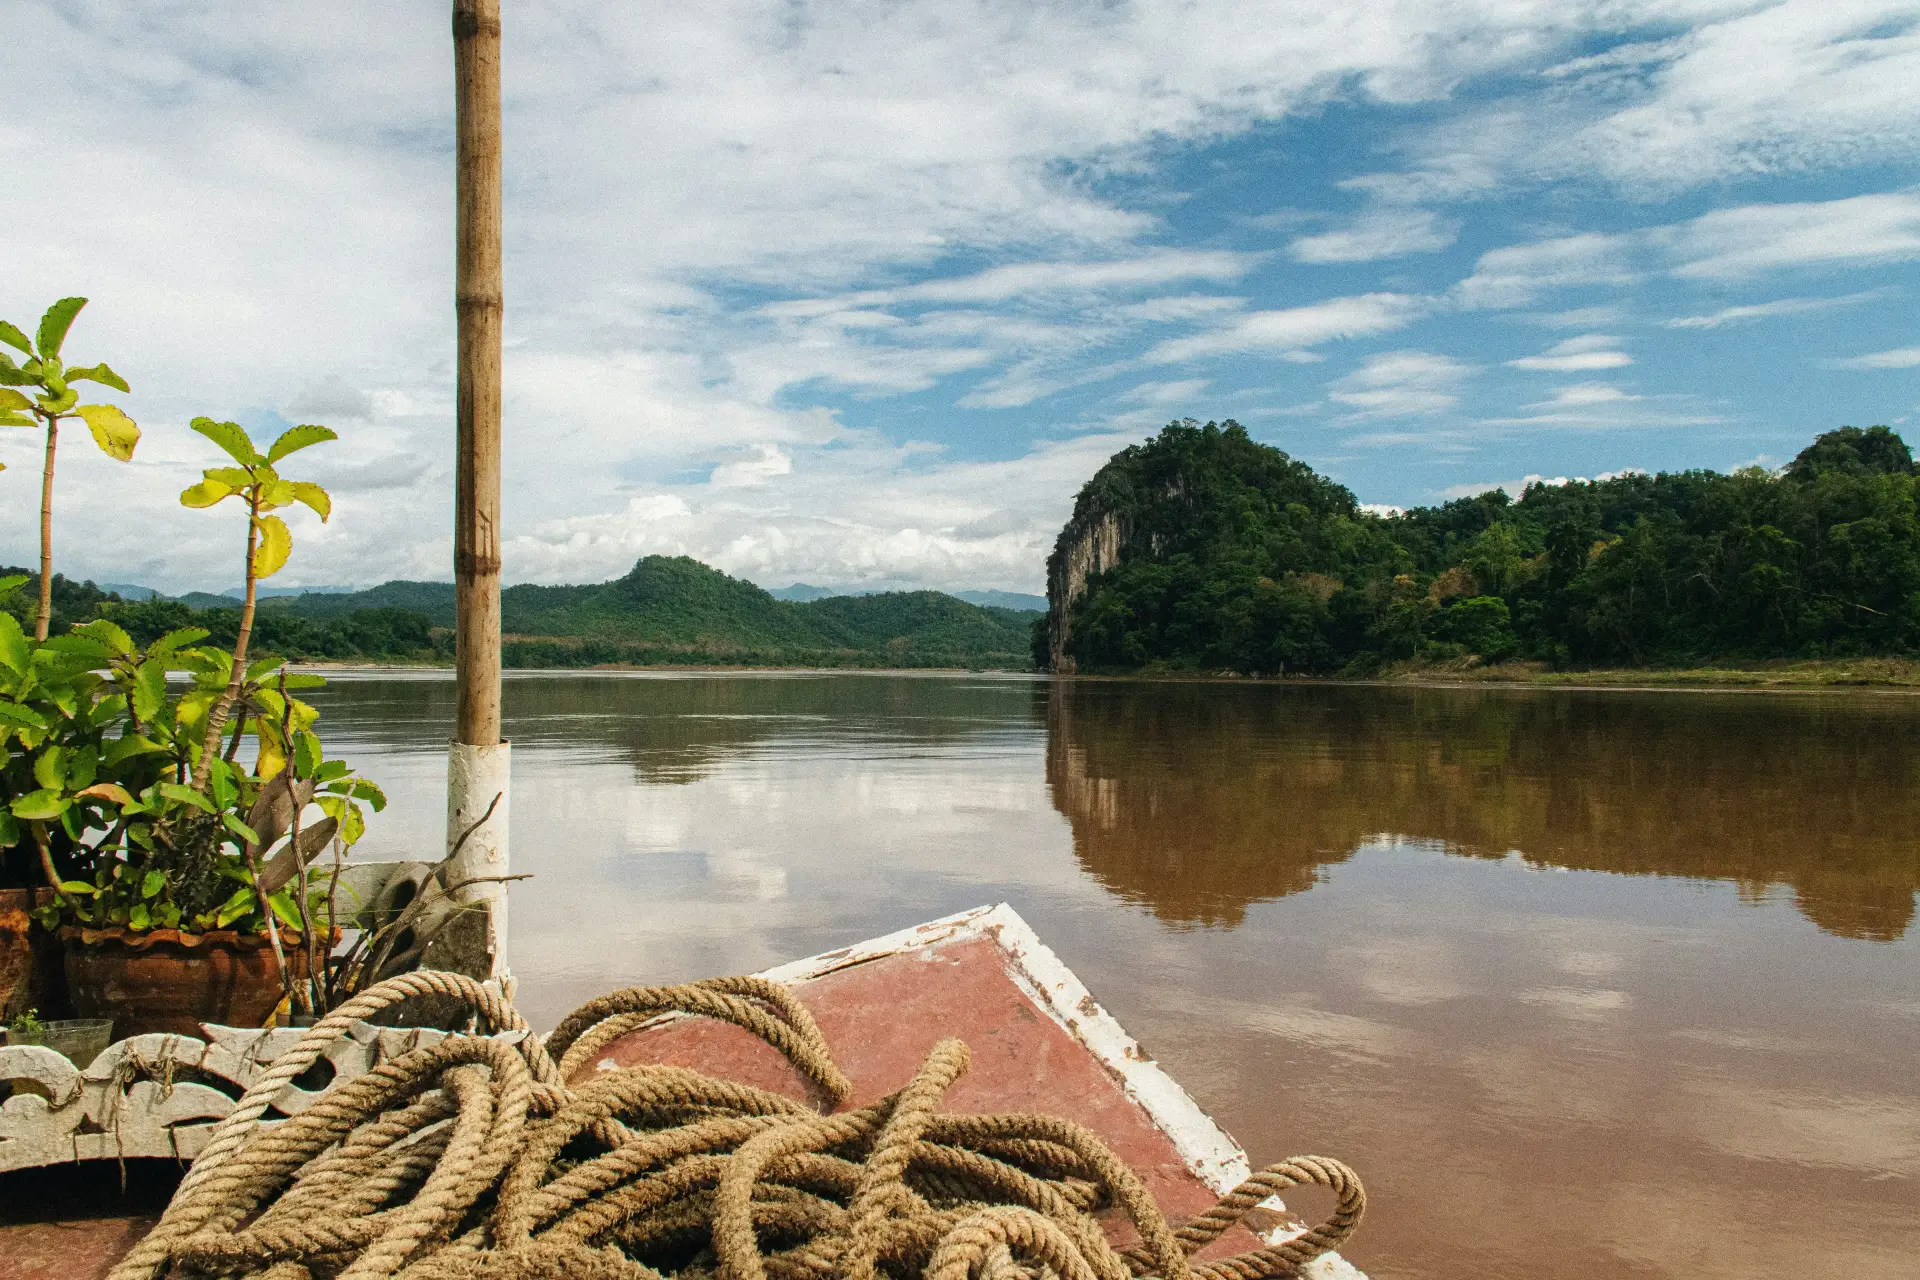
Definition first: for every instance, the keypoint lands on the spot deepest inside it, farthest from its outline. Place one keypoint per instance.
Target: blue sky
(861, 293)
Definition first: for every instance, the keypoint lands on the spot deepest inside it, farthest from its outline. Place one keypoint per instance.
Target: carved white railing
(161, 1095)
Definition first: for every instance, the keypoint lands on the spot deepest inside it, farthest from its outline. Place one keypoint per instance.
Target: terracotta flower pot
(30, 976)
(165, 980)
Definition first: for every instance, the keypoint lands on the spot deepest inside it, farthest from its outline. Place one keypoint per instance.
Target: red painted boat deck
(1039, 1042)
(883, 1015)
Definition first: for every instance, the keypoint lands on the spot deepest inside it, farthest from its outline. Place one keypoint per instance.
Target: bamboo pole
(477, 759)
(476, 545)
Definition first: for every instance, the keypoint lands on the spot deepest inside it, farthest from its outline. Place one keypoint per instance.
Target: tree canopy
(1237, 557)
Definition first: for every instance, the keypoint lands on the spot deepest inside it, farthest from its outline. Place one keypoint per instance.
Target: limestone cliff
(1090, 544)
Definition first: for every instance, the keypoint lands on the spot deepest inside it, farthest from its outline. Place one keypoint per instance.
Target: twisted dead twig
(472, 1160)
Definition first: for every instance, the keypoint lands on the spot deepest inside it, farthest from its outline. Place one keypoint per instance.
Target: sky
(860, 294)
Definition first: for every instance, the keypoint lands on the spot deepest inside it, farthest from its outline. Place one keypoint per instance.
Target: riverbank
(1816, 673)
(1810, 673)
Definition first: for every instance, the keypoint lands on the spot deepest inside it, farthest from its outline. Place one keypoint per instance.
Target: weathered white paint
(475, 775)
(1208, 1152)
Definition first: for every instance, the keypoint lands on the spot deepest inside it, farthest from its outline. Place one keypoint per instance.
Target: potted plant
(180, 879)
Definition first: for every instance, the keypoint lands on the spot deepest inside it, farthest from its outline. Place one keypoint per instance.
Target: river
(1583, 983)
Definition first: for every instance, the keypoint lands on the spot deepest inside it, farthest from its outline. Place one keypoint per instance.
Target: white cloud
(1750, 239)
(1767, 310)
(1735, 243)
(767, 462)
(1898, 358)
(1577, 355)
(1583, 395)
(1384, 233)
(1296, 327)
(1774, 89)
(860, 512)
(1400, 384)
(1514, 276)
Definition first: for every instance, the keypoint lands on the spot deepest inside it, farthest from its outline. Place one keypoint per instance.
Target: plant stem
(217, 714)
(273, 926)
(39, 830)
(315, 996)
(44, 618)
(333, 915)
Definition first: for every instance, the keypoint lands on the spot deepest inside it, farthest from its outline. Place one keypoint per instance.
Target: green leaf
(230, 436)
(108, 633)
(99, 373)
(278, 493)
(233, 908)
(79, 888)
(113, 431)
(16, 716)
(82, 768)
(41, 806)
(260, 668)
(276, 544)
(50, 770)
(11, 399)
(54, 325)
(139, 917)
(240, 829)
(221, 785)
(176, 640)
(152, 883)
(58, 402)
(370, 792)
(81, 648)
(282, 904)
(126, 747)
(8, 418)
(205, 494)
(13, 645)
(186, 795)
(149, 688)
(9, 830)
(12, 336)
(314, 496)
(306, 753)
(294, 439)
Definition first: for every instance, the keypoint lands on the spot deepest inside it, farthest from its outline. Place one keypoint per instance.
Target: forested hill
(666, 610)
(1204, 549)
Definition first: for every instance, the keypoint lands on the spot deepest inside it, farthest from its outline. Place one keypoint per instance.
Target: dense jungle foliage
(1239, 558)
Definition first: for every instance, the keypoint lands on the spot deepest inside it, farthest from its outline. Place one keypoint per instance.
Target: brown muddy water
(1583, 983)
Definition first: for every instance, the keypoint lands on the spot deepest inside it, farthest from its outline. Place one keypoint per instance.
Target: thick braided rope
(471, 1160)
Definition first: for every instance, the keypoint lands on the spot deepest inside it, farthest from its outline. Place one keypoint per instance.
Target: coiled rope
(473, 1160)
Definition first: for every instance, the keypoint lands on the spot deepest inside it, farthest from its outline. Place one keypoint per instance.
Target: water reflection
(1199, 799)
(1555, 1073)
(679, 727)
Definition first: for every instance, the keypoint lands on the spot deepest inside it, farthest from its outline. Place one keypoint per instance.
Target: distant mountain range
(666, 610)
(799, 592)
(1019, 602)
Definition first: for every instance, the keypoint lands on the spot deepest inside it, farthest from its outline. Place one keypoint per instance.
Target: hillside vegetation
(1203, 549)
(666, 610)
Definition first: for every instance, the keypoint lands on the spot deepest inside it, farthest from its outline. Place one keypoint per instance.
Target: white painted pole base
(475, 775)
